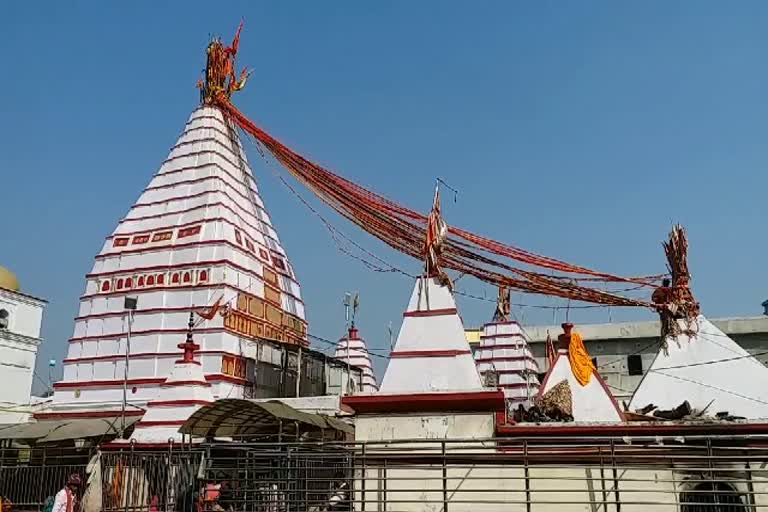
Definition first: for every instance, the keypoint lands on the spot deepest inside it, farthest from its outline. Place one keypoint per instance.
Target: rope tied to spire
(424, 237)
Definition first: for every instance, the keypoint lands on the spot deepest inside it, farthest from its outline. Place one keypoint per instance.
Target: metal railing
(29, 476)
(695, 474)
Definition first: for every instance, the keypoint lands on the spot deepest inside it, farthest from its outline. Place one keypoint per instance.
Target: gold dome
(8, 280)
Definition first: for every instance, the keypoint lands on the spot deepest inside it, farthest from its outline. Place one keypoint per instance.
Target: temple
(352, 350)
(431, 352)
(707, 369)
(504, 358)
(198, 239)
(183, 392)
(574, 380)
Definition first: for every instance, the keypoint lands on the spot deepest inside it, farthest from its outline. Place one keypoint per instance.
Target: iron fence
(29, 476)
(704, 474)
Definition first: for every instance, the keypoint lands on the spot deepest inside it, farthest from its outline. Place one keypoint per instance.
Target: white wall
(19, 343)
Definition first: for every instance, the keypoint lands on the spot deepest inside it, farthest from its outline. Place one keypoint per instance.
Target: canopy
(48, 431)
(233, 417)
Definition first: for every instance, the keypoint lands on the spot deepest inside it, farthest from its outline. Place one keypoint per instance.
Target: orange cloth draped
(117, 484)
(581, 363)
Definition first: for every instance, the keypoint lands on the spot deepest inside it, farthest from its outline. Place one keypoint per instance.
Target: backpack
(48, 504)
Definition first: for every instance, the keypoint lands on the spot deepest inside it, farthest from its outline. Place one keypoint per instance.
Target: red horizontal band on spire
(431, 312)
(405, 354)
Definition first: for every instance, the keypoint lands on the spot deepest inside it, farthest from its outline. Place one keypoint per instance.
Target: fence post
(603, 487)
(42, 479)
(362, 480)
(445, 478)
(750, 486)
(526, 473)
(615, 476)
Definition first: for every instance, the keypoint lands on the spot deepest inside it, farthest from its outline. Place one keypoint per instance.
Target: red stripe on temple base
(431, 312)
(428, 353)
(84, 414)
(139, 382)
(507, 345)
(178, 383)
(508, 335)
(169, 423)
(171, 403)
(469, 401)
(510, 358)
(106, 383)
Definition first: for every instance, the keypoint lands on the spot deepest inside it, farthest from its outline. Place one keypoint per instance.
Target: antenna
(347, 304)
(442, 182)
(355, 307)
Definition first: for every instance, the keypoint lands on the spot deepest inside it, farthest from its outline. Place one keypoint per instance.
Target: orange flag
(208, 315)
(581, 363)
(236, 40)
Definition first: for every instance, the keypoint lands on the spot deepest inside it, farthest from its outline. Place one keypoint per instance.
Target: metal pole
(349, 369)
(125, 374)
(298, 376)
(445, 479)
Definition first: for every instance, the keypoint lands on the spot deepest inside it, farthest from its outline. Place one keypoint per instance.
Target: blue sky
(580, 130)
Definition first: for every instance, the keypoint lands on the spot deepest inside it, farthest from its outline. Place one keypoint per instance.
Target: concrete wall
(424, 426)
(611, 344)
(19, 343)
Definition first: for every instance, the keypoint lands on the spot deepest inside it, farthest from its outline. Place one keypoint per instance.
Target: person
(340, 498)
(66, 499)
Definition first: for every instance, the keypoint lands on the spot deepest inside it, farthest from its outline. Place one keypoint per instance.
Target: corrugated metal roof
(48, 431)
(235, 417)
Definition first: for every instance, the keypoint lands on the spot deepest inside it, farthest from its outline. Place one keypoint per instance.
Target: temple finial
(503, 305)
(189, 347)
(220, 77)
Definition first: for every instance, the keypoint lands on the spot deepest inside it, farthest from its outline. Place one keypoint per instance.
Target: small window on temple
(175, 279)
(161, 279)
(151, 281)
(203, 275)
(105, 286)
(141, 281)
(119, 283)
(635, 364)
(187, 277)
(128, 282)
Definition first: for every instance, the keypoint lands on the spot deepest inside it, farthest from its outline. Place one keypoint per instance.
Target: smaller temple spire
(573, 370)
(353, 350)
(183, 392)
(504, 358)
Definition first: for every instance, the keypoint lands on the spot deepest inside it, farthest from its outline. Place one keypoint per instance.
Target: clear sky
(580, 130)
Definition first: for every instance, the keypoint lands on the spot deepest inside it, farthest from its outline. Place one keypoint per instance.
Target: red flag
(437, 230)
(236, 40)
(551, 352)
(207, 315)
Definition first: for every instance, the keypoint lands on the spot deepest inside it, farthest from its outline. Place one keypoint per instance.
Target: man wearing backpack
(66, 499)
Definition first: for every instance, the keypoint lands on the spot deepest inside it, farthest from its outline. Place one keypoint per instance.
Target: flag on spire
(437, 230)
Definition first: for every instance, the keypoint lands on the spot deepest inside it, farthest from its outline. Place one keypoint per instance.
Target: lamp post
(130, 306)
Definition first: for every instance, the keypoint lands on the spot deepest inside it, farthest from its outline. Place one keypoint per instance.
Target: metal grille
(695, 474)
(139, 480)
(28, 476)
